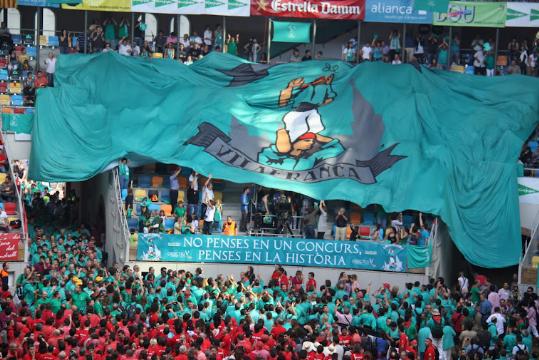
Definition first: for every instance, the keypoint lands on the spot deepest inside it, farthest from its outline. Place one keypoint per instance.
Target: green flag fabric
(292, 32)
(431, 5)
(399, 136)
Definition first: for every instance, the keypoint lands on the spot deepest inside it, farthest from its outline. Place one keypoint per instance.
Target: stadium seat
(183, 182)
(218, 196)
(2, 177)
(169, 223)
(157, 181)
(164, 196)
(138, 208)
(167, 209)
(140, 194)
(15, 87)
(43, 40)
(144, 181)
(4, 75)
(5, 99)
(17, 39)
(157, 55)
(31, 51)
(53, 41)
(154, 207)
(10, 208)
(365, 231)
(124, 194)
(535, 261)
(17, 100)
(368, 218)
(132, 223)
(533, 144)
(355, 217)
(181, 196)
(153, 195)
(3, 63)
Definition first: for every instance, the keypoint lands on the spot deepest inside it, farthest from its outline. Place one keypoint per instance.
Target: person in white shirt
(185, 41)
(207, 191)
(195, 38)
(464, 284)
(135, 49)
(500, 320)
(124, 48)
(4, 223)
(396, 60)
(208, 218)
(504, 292)
(322, 227)
(366, 52)
(50, 62)
(208, 36)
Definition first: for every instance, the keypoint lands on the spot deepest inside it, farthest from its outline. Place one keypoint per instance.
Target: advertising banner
(101, 5)
(366, 255)
(396, 11)
(313, 9)
(208, 7)
(43, 3)
(17, 120)
(9, 246)
(477, 14)
(522, 14)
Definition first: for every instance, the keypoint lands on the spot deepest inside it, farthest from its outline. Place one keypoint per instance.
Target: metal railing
(20, 207)
(124, 227)
(530, 247)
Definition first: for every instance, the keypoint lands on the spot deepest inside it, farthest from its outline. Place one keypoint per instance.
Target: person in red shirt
(357, 353)
(278, 329)
(430, 350)
(297, 281)
(311, 283)
(318, 354)
(403, 339)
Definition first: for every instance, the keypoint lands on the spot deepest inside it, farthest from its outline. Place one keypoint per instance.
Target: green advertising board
(478, 14)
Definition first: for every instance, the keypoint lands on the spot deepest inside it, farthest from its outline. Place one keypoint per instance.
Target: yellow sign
(101, 5)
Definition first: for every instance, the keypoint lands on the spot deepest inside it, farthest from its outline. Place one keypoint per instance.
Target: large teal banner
(365, 255)
(398, 136)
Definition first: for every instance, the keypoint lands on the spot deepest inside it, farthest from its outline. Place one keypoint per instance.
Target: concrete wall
(377, 278)
(18, 146)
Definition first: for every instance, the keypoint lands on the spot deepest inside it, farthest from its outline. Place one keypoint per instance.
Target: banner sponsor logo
(102, 5)
(521, 14)
(210, 7)
(366, 255)
(334, 9)
(398, 11)
(9, 246)
(478, 14)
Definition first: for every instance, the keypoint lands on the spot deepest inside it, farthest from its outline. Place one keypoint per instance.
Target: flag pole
(314, 38)
(449, 55)
(268, 56)
(85, 32)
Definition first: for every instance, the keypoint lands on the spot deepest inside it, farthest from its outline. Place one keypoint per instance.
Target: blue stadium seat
(169, 223)
(138, 208)
(164, 196)
(154, 207)
(144, 181)
(368, 218)
(17, 100)
(132, 223)
(17, 39)
(31, 51)
(124, 194)
(533, 144)
(4, 75)
(53, 41)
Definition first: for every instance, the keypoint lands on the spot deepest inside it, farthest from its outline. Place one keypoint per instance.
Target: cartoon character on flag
(299, 145)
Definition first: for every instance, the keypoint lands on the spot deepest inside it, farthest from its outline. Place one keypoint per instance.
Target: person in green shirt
(490, 63)
(448, 340)
(110, 32)
(232, 44)
(123, 170)
(123, 29)
(80, 299)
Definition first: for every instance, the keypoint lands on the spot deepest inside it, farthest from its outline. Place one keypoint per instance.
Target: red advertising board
(9, 246)
(312, 9)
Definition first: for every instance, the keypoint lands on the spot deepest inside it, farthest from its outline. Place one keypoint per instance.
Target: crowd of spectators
(68, 305)
(268, 211)
(439, 51)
